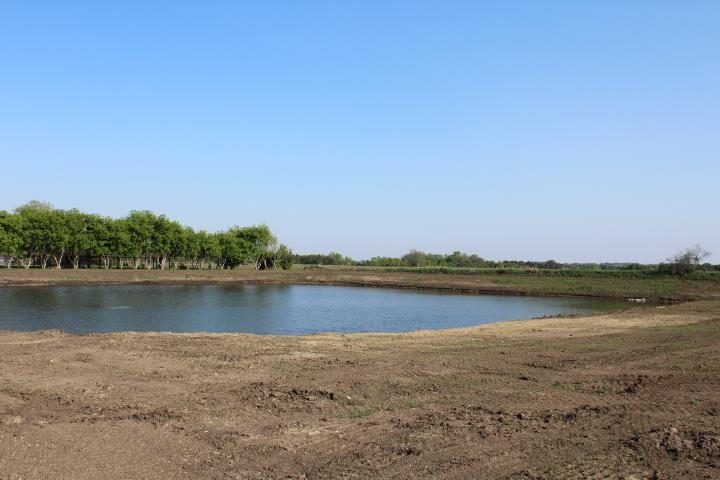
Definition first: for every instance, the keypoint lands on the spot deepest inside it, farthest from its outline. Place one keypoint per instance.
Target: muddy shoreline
(348, 283)
(444, 283)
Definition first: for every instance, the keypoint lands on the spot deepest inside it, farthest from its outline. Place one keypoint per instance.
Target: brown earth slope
(634, 394)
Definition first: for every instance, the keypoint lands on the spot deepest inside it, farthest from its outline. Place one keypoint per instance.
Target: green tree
(43, 234)
(56, 238)
(190, 247)
(688, 260)
(256, 242)
(208, 248)
(140, 226)
(108, 239)
(119, 242)
(166, 240)
(414, 259)
(280, 257)
(35, 206)
(81, 235)
(332, 258)
(37, 233)
(10, 239)
(231, 251)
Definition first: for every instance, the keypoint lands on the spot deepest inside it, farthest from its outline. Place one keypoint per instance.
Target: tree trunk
(58, 260)
(26, 262)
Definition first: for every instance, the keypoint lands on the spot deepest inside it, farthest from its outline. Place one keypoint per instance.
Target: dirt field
(634, 394)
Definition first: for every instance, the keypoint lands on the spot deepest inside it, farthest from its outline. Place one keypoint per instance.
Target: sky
(575, 131)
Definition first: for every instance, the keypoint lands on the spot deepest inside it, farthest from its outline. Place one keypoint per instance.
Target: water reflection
(265, 309)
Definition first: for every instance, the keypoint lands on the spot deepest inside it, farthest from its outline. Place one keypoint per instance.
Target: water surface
(266, 309)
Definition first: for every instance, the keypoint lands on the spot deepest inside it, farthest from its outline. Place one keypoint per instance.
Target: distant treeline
(686, 262)
(36, 234)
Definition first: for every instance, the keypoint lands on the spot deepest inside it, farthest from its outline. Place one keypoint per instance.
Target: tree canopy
(688, 260)
(37, 234)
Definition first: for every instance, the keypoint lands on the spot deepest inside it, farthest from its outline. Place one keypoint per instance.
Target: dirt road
(629, 395)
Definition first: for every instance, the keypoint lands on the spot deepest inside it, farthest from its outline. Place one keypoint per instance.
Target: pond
(266, 309)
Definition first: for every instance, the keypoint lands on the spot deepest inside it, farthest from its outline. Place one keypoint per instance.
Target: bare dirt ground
(633, 394)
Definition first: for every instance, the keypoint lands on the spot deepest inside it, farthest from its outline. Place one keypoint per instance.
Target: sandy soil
(634, 394)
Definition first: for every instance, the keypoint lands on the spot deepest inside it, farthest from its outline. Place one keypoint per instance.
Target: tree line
(418, 259)
(684, 262)
(36, 234)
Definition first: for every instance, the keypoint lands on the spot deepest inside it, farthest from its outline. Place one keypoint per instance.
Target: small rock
(672, 442)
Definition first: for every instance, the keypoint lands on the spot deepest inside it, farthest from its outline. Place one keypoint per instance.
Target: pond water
(266, 309)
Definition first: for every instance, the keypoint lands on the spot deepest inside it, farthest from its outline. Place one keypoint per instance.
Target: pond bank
(661, 289)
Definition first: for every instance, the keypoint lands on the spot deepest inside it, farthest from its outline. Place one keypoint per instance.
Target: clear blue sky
(578, 131)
